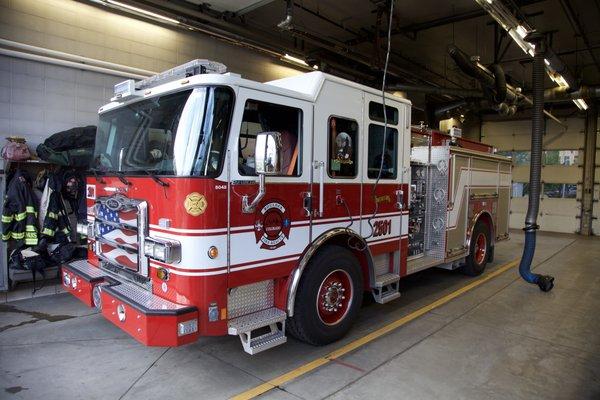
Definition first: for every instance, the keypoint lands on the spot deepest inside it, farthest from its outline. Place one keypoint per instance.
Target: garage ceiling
(347, 37)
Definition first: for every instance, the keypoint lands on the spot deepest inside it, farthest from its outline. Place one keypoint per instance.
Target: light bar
(190, 68)
(142, 11)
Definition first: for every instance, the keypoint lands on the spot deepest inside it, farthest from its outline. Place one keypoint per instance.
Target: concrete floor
(503, 340)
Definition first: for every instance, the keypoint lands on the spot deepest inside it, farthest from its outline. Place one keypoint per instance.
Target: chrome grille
(120, 228)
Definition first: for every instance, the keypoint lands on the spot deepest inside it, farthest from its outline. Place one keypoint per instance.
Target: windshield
(182, 134)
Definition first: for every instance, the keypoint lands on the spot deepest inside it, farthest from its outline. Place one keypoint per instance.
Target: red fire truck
(219, 205)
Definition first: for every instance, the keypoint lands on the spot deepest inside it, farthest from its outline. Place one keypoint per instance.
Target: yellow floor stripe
(295, 373)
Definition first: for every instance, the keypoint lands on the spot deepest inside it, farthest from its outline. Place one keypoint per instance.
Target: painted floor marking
(357, 343)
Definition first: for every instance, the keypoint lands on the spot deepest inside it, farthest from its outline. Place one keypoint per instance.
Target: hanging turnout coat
(53, 216)
(19, 216)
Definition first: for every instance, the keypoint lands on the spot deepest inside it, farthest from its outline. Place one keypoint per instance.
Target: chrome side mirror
(267, 153)
(267, 159)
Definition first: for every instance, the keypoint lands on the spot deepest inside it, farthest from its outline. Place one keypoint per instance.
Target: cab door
(267, 242)
(338, 138)
(385, 194)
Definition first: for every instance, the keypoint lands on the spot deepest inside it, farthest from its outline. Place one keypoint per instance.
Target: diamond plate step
(256, 320)
(265, 342)
(386, 288)
(246, 325)
(389, 296)
(386, 279)
(86, 270)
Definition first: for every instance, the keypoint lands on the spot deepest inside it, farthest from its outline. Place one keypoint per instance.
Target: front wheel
(328, 298)
(479, 251)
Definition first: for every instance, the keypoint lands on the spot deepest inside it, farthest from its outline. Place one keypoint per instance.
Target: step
(265, 342)
(386, 288)
(259, 319)
(246, 325)
(389, 296)
(86, 270)
(386, 279)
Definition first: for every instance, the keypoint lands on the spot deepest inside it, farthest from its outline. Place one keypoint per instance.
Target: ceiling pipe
(563, 93)
(75, 58)
(287, 22)
(488, 81)
(70, 64)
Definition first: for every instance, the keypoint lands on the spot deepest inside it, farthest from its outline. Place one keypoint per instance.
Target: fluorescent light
(547, 62)
(559, 80)
(521, 31)
(295, 60)
(581, 104)
(142, 11)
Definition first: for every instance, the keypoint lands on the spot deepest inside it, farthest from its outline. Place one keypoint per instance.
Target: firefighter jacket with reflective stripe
(55, 222)
(19, 216)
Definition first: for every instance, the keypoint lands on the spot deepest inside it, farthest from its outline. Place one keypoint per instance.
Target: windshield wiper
(97, 175)
(122, 178)
(157, 179)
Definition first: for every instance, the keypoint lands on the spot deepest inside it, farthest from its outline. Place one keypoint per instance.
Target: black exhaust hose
(501, 89)
(545, 282)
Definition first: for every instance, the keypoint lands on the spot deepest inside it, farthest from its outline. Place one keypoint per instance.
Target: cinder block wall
(38, 99)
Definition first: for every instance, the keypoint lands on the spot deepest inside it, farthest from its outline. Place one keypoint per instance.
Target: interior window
(560, 190)
(377, 153)
(520, 189)
(561, 157)
(376, 113)
(260, 116)
(343, 147)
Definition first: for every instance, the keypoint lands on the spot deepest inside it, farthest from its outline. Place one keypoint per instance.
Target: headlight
(85, 228)
(167, 251)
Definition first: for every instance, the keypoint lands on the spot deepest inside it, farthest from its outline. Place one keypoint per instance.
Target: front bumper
(150, 319)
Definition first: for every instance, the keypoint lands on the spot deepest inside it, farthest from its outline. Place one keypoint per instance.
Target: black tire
(307, 324)
(478, 254)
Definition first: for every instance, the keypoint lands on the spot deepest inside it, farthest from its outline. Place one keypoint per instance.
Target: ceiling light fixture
(142, 11)
(295, 60)
(581, 104)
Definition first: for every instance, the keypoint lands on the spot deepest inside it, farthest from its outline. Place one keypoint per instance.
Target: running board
(386, 288)
(255, 342)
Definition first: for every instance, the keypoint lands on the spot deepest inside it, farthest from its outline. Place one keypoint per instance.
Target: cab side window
(343, 147)
(384, 156)
(260, 116)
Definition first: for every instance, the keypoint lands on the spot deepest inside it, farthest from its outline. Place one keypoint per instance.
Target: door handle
(399, 199)
(320, 165)
(307, 203)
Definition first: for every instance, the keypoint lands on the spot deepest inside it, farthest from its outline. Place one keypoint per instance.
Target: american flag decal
(120, 235)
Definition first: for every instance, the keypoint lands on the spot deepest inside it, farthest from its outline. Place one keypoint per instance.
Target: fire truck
(219, 205)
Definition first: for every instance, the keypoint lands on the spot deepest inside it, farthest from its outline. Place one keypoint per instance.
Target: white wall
(38, 99)
(556, 215)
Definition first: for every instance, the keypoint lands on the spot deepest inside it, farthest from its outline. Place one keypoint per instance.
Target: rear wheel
(328, 298)
(479, 251)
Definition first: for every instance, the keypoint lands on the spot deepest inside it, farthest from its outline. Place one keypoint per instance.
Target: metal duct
(287, 22)
(564, 94)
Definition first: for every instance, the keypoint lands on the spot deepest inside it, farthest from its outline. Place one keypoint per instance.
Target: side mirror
(267, 158)
(267, 153)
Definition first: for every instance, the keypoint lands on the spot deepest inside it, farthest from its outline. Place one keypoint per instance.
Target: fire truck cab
(219, 205)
